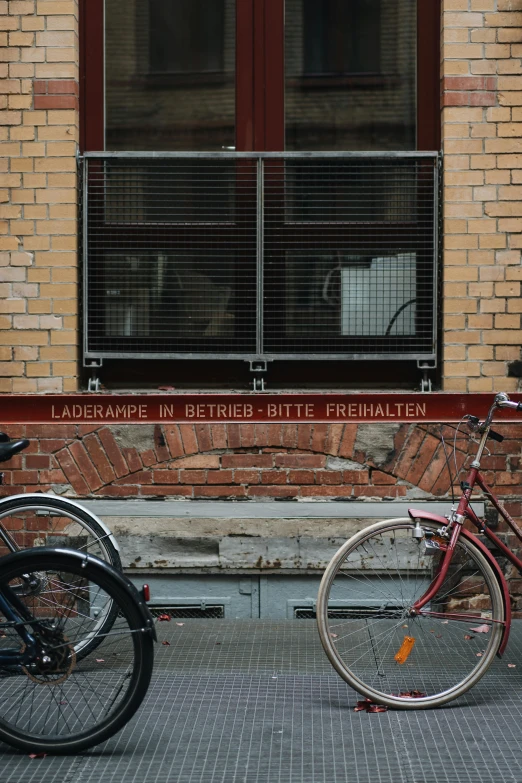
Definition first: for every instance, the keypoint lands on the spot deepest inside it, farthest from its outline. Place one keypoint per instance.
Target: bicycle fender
(66, 503)
(429, 517)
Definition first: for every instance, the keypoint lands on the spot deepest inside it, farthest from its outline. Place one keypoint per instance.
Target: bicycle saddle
(8, 450)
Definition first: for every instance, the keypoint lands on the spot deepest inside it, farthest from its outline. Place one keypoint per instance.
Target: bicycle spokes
(376, 638)
(53, 695)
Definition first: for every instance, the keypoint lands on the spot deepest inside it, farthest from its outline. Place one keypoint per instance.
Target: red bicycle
(411, 612)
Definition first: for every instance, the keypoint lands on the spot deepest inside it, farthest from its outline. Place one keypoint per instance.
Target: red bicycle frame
(454, 528)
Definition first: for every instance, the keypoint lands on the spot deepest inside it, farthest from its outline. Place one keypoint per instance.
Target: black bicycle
(58, 693)
(44, 520)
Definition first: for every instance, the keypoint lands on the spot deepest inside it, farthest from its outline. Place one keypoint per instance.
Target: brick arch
(240, 461)
(213, 460)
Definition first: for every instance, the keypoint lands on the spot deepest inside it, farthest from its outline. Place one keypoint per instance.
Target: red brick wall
(247, 461)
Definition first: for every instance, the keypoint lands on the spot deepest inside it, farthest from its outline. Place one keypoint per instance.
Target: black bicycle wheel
(57, 522)
(57, 702)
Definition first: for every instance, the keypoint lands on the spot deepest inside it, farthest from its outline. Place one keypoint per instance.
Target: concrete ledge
(194, 509)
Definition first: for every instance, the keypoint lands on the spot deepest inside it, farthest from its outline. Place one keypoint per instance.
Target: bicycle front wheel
(382, 650)
(46, 521)
(53, 701)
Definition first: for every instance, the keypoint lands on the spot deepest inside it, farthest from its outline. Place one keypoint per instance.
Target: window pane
(170, 74)
(350, 74)
(341, 37)
(186, 36)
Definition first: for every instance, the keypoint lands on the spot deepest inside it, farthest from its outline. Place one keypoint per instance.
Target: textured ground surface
(258, 702)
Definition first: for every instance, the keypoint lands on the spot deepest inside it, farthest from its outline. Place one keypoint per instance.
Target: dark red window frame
(260, 118)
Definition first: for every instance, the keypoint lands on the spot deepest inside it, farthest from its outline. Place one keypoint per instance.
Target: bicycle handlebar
(510, 404)
(503, 401)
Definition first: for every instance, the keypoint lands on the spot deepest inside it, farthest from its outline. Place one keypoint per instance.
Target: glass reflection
(170, 74)
(350, 74)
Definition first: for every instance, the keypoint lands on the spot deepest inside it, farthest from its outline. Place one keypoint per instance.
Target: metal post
(259, 255)
(437, 184)
(85, 254)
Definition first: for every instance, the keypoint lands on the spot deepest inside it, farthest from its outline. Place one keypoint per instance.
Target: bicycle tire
(60, 704)
(362, 615)
(48, 521)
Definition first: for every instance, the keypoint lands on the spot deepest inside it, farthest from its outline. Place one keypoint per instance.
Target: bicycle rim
(384, 653)
(53, 522)
(66, 704)
(50, 522)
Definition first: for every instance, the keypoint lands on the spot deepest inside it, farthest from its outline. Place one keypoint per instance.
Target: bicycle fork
(441, 573)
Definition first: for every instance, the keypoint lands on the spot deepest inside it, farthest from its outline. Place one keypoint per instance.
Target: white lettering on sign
(99, 412)
(209, 410)
(290, 410)
(388, 410)
(256, 410)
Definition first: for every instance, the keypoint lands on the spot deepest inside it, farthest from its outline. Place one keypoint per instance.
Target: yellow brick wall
(481, 132)
(481, 75)
(38, 195)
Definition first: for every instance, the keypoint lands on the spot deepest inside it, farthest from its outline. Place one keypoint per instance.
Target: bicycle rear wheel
(384, 653)
(46, 521)
(56, 702)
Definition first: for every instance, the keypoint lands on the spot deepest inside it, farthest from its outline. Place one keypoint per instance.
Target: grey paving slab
(257, 702)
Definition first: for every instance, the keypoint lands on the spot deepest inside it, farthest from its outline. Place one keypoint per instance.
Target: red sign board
(289, 408)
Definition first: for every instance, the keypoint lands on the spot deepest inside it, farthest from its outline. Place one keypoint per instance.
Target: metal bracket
(94, 383)
(426, 383)
(258, 367)
(425, 366)
(93, 363)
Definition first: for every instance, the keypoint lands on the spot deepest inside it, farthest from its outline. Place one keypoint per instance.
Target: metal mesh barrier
(261, 255)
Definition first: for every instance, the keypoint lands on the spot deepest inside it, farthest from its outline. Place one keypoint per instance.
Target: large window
(197, 256)
(201, 75)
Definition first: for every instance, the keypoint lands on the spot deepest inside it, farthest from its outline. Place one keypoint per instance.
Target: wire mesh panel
(171, 256)
(349, 256)
(260, 255)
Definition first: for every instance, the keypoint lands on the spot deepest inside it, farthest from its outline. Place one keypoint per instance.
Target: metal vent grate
(304, 613)
(263, 255)
(196, 611)
(342, 612)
